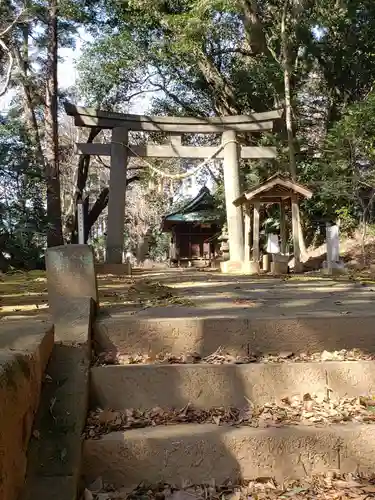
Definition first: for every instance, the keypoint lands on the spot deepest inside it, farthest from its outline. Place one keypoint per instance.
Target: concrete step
(200, 453)
(206, 386)
(55, 453)
(25, 347)
(239, 334)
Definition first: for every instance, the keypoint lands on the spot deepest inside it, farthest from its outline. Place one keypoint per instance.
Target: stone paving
(204, 293)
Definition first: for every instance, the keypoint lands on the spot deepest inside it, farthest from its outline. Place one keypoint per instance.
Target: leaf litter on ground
(329, 486)
(155, 294)
(317, 410)
(221, 356)
(145, 294)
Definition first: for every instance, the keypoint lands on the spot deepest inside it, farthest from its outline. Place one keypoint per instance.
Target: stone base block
(115, 269)
(231, 266)
(333, 271)
(251, 267)
(278, 268)
(298, 267)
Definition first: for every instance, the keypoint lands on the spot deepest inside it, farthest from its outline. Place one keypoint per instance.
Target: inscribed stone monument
(70, 275)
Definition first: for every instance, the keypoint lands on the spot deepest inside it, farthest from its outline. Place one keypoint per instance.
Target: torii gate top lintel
(90, 117)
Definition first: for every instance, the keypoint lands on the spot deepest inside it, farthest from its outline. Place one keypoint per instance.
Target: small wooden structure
(193, 229)
(276, 189)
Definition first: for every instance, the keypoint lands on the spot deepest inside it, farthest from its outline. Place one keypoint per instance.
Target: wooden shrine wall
(189, 241)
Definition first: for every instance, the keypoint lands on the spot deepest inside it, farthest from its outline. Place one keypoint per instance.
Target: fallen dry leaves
(221, 356)
(310, 410)
(154, 294)
(142, 293)
(330, 486)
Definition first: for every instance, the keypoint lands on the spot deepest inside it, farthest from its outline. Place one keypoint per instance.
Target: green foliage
(108, 69)
(159, 244)
(22, 210)
(348, 222)
(349, 159)
(351, 140)
(217, 57)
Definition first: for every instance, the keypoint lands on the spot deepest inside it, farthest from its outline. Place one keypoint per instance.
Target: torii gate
(118, 151)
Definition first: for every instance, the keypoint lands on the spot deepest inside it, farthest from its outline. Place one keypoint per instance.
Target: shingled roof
(200, 209)
(277, 187)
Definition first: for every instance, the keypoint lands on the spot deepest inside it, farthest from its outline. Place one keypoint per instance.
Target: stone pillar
(283, 232)
(256, 250)
(70, 277)
(247, 246)
(117, 190)
(295, 228)
(232, 192)
(333, 265)
(333, 245)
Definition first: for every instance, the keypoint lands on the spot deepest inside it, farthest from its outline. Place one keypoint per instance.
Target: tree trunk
(98, 207)
(54, 230)
(288, 99)
(288, 113)
(82, 176)
(22, 60)
(91, 216)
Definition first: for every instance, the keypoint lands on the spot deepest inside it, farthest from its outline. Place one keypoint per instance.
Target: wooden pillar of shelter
(295, 228)
(283, 233)
(232, 192)
(117, 191)
(247, 246)
(175, 140)
(256, 228)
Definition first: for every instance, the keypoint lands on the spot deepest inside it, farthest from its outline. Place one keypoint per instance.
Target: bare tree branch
(234, 50)
(10, 67)
(6, 31)
(12, 24)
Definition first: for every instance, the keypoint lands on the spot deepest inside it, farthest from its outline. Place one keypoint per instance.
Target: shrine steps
(216, 385)
(199, 451)
(313, 332)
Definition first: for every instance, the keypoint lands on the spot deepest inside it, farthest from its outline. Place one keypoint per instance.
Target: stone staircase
(195, 400)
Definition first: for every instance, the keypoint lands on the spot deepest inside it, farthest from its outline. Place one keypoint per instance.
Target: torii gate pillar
(232, 192)
(117, 191)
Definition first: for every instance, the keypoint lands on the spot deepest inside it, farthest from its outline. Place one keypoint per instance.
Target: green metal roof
(201, 210)
(201, 216)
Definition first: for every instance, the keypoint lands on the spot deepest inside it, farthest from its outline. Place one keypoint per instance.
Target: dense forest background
(189, 57)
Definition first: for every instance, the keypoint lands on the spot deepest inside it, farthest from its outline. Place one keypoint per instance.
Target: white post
(295, 228)
(283, 233)
(256, 230)
(247, 232)
(81, 223)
